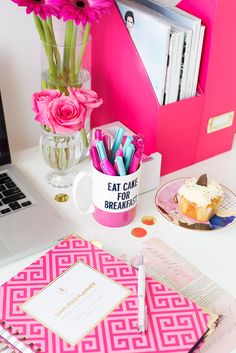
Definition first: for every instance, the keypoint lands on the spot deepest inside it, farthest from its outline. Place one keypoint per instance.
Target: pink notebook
(175, 324)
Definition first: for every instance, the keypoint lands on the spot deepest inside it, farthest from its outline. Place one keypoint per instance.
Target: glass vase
(66, 57)
(61, 153)
(66, 62)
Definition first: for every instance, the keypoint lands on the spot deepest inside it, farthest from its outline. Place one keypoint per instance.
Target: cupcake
(199, 199)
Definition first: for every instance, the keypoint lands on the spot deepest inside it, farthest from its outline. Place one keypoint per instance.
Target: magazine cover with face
(151, 38)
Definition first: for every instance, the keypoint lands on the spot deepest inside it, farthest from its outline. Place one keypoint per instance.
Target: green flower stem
(41, 33)
(84, 137)
(39, 27)
(54, 45)
(52, 66)
(44, 84)
(73, 55)
(67, 45)
(81, 53)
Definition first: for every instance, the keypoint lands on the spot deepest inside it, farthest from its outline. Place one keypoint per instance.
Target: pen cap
(101, 150)
(98, 134)
(107, 167)
(128, 141)
(117, 142)
(107, 144)
(119, 153)
(120, 166)
(129, 152)
(134, 165)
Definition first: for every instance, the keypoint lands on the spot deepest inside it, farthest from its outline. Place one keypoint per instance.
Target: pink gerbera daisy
(42, 8)
(84, 11)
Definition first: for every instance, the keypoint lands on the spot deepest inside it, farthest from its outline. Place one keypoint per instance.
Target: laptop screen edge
(5, 156)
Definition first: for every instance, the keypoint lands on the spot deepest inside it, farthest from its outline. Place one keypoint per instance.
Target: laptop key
(26, 203)
(5, 210)
(4, 180)
(13, 198)
(3, 175)
(9, 185)
(11, 191)
(2, 187)
(14, 206)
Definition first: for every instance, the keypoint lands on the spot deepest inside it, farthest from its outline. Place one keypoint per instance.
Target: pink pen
(138, 138)
(107, 167)
(140, 146)
(98, 134)
(138, 142)
(107, 144)
(134, 165)
(95, 158)
(123, 139)
(119, 153)
(135, 140)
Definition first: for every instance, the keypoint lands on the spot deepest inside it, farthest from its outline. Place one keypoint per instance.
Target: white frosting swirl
(198, 194)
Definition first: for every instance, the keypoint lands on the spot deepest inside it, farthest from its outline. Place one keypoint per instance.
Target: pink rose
(66, 114)
(86, 97)
(40, 101)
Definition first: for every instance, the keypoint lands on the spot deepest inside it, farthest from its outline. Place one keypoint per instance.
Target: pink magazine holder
(178, 130)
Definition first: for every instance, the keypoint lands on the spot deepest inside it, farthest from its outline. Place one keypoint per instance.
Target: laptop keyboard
(12, 198)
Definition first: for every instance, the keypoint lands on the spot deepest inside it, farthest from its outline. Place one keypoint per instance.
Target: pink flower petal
(42, 8)
(65, 114)
(84, 11)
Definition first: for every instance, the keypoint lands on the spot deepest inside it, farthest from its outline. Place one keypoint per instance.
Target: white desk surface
(213, 253)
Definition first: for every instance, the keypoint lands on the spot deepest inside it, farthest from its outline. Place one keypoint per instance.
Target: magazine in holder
(177, 130)
(218, 73)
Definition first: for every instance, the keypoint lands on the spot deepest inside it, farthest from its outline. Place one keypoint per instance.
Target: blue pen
(128, 156)
(116, 144)
(128, 141)
(120, 166)
(101, 150)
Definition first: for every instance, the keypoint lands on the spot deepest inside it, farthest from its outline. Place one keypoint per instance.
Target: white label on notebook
(75, 302)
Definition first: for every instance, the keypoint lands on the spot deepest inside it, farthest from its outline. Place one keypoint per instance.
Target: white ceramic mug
(114, 198)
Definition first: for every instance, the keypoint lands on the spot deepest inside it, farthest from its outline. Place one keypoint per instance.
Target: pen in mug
(138, 137)
(128, 140)
(107, 144)
(123, 140)
(142, 308)
(135, 163)
(107, 167)
(95, 158)
(101, 150)
(140, 147)
(98, 134)
(138, 141)
(120, 166)
(119, 153)
(129, 152)
(117, 142)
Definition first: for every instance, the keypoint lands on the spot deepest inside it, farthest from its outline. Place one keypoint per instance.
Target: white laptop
(28, 223)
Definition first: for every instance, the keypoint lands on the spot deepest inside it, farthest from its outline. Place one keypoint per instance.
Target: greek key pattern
(175, 323)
